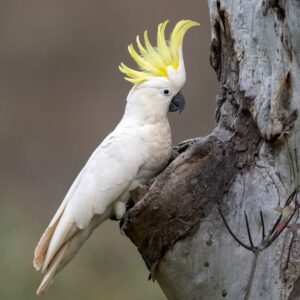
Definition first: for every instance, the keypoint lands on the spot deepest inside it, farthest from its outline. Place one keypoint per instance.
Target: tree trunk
(221, 220)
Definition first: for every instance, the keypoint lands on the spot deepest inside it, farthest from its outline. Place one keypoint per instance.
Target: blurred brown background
(60, 94)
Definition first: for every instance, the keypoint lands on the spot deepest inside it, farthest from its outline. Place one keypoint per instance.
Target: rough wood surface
(248, 164)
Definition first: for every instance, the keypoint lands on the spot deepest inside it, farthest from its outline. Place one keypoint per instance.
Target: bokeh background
(60, 94)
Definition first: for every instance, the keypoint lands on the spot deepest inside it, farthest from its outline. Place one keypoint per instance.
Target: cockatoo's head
(158, 83)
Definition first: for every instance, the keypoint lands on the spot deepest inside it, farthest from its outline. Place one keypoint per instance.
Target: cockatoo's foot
(130, 203)
(135, 196)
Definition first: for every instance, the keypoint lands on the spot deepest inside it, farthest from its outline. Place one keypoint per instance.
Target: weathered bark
(248, 164)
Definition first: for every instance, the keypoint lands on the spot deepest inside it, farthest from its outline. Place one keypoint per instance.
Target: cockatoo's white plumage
(137, 150)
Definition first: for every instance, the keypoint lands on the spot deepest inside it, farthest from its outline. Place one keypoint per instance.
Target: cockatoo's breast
(158, 144)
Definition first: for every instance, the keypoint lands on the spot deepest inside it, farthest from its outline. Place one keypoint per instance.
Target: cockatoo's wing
(105, 178)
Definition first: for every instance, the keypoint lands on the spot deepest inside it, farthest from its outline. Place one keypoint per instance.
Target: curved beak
(177, 103)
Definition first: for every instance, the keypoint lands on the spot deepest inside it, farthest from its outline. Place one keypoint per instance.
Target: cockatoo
(136, 151)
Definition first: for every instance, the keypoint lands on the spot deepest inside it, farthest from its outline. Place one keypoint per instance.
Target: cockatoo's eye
(166, 92)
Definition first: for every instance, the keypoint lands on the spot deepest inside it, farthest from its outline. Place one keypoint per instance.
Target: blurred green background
(60, 94)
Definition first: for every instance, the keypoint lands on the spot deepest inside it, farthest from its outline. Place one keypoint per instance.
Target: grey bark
(245, 170)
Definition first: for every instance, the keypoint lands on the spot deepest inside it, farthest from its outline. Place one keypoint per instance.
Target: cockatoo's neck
(146, 105)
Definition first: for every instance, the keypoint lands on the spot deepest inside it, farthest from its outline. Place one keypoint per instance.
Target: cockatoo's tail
(164, 60)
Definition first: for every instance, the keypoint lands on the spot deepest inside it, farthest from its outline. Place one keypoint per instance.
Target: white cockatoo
(137, 150)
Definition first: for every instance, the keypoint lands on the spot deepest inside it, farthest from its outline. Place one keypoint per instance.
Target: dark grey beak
(177, 103)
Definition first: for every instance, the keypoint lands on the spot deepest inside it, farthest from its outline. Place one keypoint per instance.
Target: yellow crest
(154, 61)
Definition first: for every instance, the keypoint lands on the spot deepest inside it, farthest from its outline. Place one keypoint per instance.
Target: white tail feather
(73, 241)
(48, 278)
(63, 232)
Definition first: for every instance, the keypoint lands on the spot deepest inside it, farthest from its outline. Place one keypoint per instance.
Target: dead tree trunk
(222, 220)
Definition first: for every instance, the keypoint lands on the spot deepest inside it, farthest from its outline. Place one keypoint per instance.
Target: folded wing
(105, 178)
